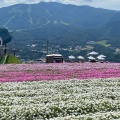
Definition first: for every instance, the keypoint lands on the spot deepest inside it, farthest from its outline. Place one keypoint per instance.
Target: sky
(106, 4)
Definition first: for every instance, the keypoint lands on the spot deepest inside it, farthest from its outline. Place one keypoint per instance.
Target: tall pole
(14, 51)
(5, 49)
(47, 47)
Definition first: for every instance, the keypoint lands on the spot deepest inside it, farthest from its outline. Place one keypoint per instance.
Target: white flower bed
(97, 99)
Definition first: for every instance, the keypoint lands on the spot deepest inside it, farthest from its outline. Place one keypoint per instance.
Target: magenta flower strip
(58, 71)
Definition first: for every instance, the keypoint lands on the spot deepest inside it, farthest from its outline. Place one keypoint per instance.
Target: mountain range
(60, 23)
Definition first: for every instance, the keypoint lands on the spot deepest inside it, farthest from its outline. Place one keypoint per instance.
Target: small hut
(54, 58)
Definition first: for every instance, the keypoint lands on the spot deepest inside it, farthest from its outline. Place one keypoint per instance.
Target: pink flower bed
(58, 71)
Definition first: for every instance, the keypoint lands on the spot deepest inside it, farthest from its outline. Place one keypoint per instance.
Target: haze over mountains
(61, 24)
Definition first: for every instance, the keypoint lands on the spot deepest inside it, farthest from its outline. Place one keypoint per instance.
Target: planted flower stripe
(93, 99)
(58, 91)
(64, 71)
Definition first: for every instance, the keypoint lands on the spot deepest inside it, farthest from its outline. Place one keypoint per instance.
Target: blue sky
(107, 4)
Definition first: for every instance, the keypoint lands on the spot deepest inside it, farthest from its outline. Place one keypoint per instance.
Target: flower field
(64, 71)
(77, 91)
(93, 99)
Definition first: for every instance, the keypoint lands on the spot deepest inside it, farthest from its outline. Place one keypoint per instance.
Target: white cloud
(108, 4)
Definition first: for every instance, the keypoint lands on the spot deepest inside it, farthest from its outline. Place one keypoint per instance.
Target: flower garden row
(93, 99)
(64, 71)
(58, 91)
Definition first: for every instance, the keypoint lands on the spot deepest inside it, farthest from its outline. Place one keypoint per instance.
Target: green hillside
(11, 59)
(64, 26)
(2, 59)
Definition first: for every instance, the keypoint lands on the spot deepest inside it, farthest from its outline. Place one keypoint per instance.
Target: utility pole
(47, 47)
(5, 49)
(14, 51)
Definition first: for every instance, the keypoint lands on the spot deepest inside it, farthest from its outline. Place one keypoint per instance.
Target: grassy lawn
(88, 47)
(2, 59)
(103, 43)
(11, 59)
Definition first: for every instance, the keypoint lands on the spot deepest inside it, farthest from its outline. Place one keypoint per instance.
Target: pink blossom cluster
(57, 71)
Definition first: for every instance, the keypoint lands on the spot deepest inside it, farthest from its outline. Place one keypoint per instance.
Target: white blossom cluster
(93, 99)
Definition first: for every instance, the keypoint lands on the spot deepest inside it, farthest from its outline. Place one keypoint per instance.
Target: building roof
(71, 57)
(55, 55)
(5, 36)
(81, 57)
(91, 58)
(92, 53)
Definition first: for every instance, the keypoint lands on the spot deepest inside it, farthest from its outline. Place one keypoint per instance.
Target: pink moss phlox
(60, 71)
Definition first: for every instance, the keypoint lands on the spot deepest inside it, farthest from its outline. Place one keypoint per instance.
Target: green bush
(2, 59)
(11, 59)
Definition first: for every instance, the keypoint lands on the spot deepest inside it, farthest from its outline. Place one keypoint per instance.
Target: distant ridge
(52, 19)
(61, 24)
